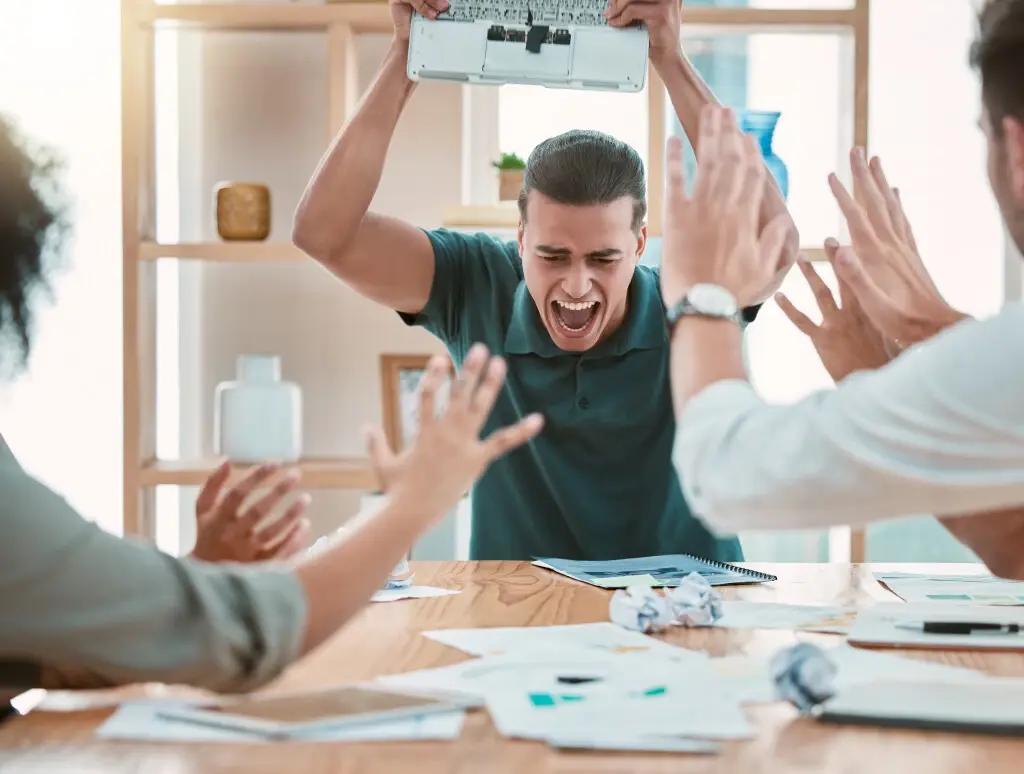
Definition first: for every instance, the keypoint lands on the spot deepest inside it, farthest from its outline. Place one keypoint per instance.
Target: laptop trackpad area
(506, 57)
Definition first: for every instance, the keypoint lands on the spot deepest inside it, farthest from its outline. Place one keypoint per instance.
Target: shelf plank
(504, 215)
(374, 16)
(281, 16)
(234, 252)
(332, 473)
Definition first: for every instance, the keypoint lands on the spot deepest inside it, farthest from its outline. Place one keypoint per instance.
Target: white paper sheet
(627, 696)
(981, 589)
(410, 592)
(749, 682)
(774, 615)
(139, 721)
(543, 670)
(604, 637)
(672, 705)
(881, 625)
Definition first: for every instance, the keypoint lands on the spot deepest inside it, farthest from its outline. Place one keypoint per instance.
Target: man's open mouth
(576, 319)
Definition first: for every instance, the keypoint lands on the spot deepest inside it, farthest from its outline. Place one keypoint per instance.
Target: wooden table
(385, 639)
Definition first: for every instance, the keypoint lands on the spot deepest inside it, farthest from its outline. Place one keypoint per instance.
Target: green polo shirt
(598, 482)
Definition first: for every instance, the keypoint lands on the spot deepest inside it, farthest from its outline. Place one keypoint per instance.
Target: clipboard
(879, 626)
(990, 706)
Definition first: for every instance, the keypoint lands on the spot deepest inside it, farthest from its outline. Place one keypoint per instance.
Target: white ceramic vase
(258, 417)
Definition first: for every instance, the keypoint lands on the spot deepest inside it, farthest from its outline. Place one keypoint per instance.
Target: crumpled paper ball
(694, 602)
(803, 675)
(641, 609)
(400, 576)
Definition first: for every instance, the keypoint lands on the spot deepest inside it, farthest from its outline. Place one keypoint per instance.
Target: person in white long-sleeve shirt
(927, 415)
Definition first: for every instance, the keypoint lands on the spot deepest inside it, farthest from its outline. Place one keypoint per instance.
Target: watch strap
(684, 308)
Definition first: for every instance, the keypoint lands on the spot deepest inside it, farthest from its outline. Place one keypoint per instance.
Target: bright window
(61, 60)
(527, 115)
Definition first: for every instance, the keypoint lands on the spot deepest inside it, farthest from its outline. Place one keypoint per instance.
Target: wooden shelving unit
(506, 216)
(342, 22)
(139, 21)
(342, 473)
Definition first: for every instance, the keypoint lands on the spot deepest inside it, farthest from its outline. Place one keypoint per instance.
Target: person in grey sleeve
(81, 608)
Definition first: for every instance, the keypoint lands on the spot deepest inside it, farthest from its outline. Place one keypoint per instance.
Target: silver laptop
(557, 43)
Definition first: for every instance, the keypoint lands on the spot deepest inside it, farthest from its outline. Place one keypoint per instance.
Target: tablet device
(287, 716)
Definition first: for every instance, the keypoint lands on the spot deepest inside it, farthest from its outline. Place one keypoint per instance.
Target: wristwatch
(706, 300)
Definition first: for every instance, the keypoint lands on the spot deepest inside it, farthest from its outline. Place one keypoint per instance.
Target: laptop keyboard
(588, 13)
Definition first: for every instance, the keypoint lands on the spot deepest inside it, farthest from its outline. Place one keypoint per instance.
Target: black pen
(961, 627)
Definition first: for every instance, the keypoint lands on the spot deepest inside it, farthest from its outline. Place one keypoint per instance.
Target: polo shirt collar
(643, 328)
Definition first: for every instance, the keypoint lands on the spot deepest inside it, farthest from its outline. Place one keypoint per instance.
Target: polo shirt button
(584, 403)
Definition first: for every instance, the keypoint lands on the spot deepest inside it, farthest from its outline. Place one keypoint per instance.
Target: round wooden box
(243, 211)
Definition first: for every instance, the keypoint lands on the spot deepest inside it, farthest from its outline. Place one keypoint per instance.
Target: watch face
(713, 299)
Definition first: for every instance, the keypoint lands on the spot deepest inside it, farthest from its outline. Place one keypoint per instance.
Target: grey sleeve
(92, 610)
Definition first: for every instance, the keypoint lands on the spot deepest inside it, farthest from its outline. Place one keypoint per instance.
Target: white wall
(262, 107)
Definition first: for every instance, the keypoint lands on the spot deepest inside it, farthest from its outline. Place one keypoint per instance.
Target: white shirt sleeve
(940, 430)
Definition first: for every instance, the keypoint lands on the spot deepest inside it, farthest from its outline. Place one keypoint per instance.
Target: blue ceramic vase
(761, 124)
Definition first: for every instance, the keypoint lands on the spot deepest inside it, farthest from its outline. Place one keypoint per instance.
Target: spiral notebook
(658, 571)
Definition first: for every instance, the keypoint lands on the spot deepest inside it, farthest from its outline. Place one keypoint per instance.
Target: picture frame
(400, 377)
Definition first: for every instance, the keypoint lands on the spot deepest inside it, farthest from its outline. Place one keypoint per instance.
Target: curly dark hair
(33, 226)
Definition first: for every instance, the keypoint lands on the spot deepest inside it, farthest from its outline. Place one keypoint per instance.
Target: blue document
(664, 570)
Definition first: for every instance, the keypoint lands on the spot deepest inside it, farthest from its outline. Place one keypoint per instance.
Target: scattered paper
(566, 694)
(604, 637)
(544, 670)
(410, 592)
(140, 721)
(774, 615)
(979, 589)
(684, 704)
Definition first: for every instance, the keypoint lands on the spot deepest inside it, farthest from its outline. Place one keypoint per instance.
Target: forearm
(689, 94)
(997, 537)
(340, 579)
(345, 181)
(703, 351)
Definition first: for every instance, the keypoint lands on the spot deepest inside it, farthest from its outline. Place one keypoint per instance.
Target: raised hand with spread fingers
(882, 267)
(232, 526)
(447, 453)
(845, 339)
(713, 236)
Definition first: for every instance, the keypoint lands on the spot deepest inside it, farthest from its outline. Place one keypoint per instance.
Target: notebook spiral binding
(756, 574)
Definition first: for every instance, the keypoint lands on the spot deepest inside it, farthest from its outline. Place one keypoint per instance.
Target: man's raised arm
(689, 94)
(383, 258)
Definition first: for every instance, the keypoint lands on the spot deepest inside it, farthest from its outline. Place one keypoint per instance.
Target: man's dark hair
(583, 168)
(32, 228)
(998, 54)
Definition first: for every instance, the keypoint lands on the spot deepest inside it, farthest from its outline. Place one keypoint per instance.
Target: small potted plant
(510, 176)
